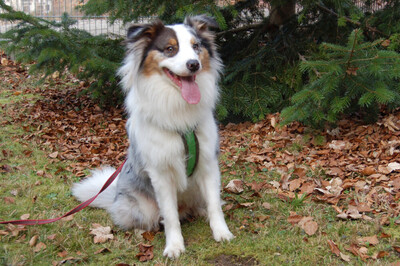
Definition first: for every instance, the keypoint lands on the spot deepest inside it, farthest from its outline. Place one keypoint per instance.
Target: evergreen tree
(358, 77)
(262, 56)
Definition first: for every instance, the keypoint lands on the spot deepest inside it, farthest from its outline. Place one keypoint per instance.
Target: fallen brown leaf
(364, 207)
(394, 166)
(344, 257)
(275, 184)
(62, 254)
(69, 260)
(384, 235)
(52, 237)
(15, 229)
(102, 250)
(262, 218)
(25, 216)
(234, 186)
(145, 252)
(5, 168)
(307, 188)
(342, 215)
(353, 212)
(371, 240)
(149, 236)
(101, 234)
(385, 43)
(334, 248)
(369, 170)
(9, 200)
(294, 184)
(397, 248)
(33, 240)
(267, 205)
(396, 183)
(247, 204)
(294, 218)
(310, 227)
(39, 247)
(381, 254)
(40, 173)
(363, 251)
(4, 61)
(53, 155)
(256, 186)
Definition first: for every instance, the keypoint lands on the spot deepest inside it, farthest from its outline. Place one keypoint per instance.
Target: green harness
(191, 150)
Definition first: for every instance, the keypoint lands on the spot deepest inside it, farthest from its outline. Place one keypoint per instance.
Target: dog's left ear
(201, 23)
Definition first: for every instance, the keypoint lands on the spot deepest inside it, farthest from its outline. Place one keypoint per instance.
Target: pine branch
(358, 77)
(350, 20)
(348, 64)
(302, 58)
(240, 29)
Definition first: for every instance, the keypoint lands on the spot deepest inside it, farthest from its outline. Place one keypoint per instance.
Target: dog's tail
(90, 186)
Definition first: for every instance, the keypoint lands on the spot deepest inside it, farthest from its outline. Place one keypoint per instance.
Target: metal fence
(53, 10)
(371, 6)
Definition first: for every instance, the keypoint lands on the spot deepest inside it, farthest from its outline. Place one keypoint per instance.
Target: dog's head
(178, 52)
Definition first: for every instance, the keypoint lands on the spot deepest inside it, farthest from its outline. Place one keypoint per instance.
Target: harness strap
(191, 144)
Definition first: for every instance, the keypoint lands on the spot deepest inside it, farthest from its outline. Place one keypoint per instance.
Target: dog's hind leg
(138, 211)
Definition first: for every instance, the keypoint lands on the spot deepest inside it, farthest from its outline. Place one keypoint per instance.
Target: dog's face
(177, 52)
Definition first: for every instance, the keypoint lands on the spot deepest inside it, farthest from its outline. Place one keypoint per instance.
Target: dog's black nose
(193, 65)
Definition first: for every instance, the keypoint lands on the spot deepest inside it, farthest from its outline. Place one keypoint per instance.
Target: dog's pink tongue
(190, 90)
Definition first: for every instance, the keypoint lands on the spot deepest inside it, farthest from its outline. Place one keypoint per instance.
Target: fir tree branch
(361, 85)
(324, 8)
(244, 28)
(5, 7)
(348, 66)
(302, 58)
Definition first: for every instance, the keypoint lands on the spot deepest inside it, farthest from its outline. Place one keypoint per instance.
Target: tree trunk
(281, 12)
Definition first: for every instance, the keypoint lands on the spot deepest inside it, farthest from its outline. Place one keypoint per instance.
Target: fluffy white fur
(91, 186)
(157, 113)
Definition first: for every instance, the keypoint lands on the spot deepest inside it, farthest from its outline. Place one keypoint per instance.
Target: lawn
(295, 198)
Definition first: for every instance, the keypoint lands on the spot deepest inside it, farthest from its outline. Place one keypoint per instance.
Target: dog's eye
(170, 50)
(196, 46)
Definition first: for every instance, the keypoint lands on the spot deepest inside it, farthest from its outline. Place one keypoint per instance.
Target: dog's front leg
(166, 195)
(209, 183)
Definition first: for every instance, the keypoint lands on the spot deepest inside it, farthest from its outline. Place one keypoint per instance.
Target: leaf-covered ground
(293, 195)
(354, 167)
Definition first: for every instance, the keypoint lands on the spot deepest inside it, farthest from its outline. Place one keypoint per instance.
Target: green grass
(263, 236)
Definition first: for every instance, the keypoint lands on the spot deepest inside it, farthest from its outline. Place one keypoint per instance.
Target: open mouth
(189, 89)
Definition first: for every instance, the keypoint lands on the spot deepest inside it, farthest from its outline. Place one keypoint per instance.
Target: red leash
(74, 210)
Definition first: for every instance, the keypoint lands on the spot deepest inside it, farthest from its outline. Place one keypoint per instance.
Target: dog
(170, 75)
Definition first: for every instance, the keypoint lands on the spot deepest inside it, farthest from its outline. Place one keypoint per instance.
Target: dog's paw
(174, 250)
(221, 231)
(223, 235)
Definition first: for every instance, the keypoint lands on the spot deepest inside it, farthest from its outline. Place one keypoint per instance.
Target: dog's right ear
(147, 31)
(201, 23)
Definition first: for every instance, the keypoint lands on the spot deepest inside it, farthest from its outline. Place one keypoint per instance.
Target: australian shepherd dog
(170, 75)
